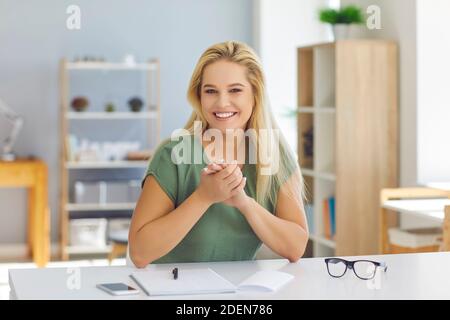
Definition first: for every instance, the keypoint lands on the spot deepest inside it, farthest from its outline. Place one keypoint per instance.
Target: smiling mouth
(224, 115)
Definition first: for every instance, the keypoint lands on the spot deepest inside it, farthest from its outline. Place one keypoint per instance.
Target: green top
(223, 233)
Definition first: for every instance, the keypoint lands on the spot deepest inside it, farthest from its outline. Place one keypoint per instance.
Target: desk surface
(409, 276)
(430, 208)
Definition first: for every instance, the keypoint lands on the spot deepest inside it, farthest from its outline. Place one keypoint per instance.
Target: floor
(4, 267)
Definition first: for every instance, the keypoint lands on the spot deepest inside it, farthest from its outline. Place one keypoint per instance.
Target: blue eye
(210, 91)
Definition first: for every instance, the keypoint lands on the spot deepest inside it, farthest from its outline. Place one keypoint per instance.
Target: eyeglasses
(363, 269)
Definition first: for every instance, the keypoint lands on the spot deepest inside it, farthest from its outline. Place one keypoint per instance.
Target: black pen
(175, 273)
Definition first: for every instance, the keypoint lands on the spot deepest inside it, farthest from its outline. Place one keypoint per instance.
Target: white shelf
(319, 175)
(88, 250)
(111, 115)
(109, 66)
(106, 164)
(317, 110)
(326, 176)
(100, 207)
(322, 240)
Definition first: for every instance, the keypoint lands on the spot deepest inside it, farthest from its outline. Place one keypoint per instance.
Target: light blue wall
(34, 37)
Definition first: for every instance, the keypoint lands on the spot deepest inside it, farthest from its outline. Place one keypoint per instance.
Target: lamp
(17, 122)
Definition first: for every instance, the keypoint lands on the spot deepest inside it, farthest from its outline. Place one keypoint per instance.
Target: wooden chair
(410, 193)
(446, 230)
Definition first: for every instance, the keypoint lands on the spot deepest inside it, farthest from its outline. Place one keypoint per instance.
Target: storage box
(118, 229)
(415, 238)
(117, 192)
(134, 190)
(88, 232)
(107, 191)
(90, 192)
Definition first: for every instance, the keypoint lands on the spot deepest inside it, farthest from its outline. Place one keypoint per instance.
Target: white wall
(280, 27)
(433, 79)
(398, 22)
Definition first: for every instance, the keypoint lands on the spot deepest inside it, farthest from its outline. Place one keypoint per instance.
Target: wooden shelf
(106, 164)
(346, 114)
(71, 121)
(111, 115)
(110, 66)
(100, 207)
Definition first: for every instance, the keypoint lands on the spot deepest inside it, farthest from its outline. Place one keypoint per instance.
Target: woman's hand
(221, 185)
(240, 199)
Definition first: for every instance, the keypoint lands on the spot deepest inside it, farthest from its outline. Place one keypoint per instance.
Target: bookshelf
(347, 139)
(148, 119)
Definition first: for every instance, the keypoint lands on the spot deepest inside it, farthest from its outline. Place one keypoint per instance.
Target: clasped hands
(222, 182)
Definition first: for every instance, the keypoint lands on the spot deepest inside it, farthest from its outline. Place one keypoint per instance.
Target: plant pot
(340, 31)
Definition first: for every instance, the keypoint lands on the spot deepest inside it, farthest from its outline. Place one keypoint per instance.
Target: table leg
(39, 231)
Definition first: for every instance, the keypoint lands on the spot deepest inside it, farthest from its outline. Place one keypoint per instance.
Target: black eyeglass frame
(350, 265)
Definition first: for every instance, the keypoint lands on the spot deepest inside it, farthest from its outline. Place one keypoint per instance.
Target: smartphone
(117, 289)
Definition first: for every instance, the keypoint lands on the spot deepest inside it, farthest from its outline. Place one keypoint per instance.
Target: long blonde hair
(261, 118)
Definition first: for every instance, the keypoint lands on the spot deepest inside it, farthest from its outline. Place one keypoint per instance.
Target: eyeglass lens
(336, 267)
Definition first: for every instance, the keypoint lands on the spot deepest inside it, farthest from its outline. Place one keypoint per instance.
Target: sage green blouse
(223, 233)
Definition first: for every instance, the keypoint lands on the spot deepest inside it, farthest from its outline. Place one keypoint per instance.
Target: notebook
(205, 281)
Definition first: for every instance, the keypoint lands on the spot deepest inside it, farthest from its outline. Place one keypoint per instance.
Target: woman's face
(226, 95)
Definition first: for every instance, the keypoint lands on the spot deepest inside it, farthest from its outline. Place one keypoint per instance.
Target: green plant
(110, 107)
(347, 15)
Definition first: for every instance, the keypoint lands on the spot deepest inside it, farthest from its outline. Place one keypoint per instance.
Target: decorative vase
(340, 31)
(80, 104)
(135, 104)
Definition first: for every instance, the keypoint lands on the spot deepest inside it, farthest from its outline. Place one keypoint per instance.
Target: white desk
(409, 276)
(428, 208)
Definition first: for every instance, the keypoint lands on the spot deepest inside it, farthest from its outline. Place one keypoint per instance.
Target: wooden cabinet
(347, 138)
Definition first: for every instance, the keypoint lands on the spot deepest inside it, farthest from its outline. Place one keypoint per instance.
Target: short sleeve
(165, 172)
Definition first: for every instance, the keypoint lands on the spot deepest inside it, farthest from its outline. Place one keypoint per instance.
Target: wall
(433, 72)
(283, 26)
(398, 22)
(33, 38)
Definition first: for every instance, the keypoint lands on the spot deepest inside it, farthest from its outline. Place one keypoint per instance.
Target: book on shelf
(329, 217)
(309, 210)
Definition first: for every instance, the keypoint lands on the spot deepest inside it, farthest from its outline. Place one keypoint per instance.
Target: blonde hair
(261, 118)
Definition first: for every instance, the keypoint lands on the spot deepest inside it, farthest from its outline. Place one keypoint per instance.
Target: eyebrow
(231, 85)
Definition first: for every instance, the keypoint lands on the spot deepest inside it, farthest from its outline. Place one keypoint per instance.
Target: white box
(117, 192)
(414, 238)
(118, 229)
(134, 190)
(89, 192)
(88, 232)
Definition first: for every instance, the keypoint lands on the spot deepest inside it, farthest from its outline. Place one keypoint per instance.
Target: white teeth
(224, 114)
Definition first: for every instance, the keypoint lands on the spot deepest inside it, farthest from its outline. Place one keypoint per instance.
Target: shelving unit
(347, 138)
(149, 117)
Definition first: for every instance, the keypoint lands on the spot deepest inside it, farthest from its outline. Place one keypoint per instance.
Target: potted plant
(341, 19)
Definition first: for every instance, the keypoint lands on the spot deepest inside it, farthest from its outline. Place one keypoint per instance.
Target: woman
(217, 209)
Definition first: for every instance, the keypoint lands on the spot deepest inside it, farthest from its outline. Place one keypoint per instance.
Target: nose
(223, 101)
